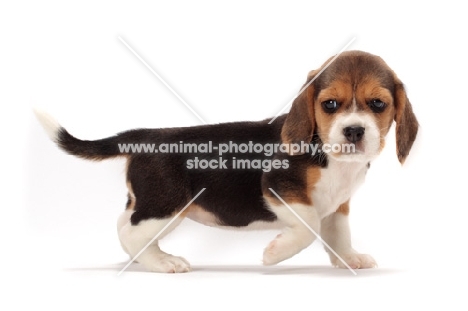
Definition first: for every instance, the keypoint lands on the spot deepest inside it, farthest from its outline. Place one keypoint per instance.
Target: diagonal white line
(163, 82)
(313, 231)
(160, 232)
(316, 76)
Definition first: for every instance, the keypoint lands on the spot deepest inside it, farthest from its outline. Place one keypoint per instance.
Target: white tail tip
(50, 125)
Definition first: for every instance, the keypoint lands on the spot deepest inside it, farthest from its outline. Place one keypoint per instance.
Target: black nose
(353, 133)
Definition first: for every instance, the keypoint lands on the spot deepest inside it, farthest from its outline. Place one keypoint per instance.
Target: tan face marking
(342, 92)
(373, 90)
(355, 99)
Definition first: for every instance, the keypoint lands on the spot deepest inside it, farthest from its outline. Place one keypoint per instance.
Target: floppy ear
(406, 123)
(300, 122)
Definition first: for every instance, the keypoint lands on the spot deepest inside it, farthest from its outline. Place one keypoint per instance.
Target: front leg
(335, 231)
(296, 235)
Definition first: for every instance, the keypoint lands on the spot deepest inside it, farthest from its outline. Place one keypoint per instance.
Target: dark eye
(377, 105)
(330, 106)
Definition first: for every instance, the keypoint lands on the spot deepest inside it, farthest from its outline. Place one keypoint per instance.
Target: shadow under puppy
(353, 102)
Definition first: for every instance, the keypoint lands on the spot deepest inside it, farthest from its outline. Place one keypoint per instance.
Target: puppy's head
(351, 106)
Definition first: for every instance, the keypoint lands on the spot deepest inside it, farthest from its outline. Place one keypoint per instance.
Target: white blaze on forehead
(354, 105)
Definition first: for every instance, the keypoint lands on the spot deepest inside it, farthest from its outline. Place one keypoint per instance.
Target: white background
(230, 62)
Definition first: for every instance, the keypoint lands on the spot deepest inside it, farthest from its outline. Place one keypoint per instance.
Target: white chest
(337, 184)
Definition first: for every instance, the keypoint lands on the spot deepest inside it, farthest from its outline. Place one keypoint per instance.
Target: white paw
(278, 250)
(166, 263)
(355, 261)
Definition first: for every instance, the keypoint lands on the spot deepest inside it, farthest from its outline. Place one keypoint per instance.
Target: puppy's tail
(92, 150)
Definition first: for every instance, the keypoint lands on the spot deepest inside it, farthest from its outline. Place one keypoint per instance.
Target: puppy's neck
(349, 167)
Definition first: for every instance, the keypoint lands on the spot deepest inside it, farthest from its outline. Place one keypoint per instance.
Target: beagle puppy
(353, 102)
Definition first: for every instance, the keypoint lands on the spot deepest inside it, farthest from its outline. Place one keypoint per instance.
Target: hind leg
(135, 238)
(158, 189)
(122, 221)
